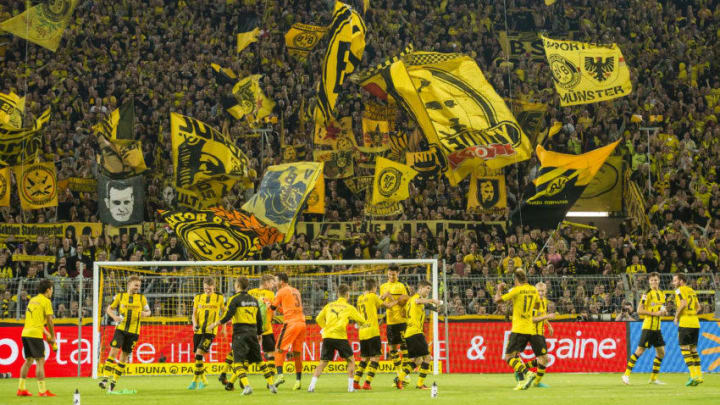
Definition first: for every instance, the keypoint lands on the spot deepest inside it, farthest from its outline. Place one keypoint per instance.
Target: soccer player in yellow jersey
(266, 295)
(247, 320)
(523, 297)
(126, 310)
(394, 294)
(414, 337)
(686, 318)
(207, 308)
(39, 312)
(540, 318)
(370, 345)
(333, 319)
(652, 306)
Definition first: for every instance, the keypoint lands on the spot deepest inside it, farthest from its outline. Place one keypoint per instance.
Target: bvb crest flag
(343, 55)
(339, 164)
(43, 24)
(249, 100)
(487, 195)
(587, 73)
(561, 180)
(302, 38)
(5, 187)
(316, 200)
(391, 181)
(18, 146)
(375, 132)
(37, 185)
(283, 191)
(12, 108)
(119, 125)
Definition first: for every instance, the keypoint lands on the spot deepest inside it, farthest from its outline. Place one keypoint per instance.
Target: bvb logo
(565, 74)
(557, 185)
(313, 198)
(55, 10)
(38, 185)
(216, 242)
(305, 40)
(389, 181)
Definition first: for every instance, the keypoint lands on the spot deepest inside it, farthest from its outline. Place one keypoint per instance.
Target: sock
(407, 364)
(199, 371)
(298, 366)
(540, 373)
(371, 372)
(518, 366)
(109, 368)
(689, 360)
(41, 386)
(21, 384)
(696, 357)
(424, 369)
(359, 371)
(631, 364)
(270, 362)
(313, 381)
(395, 357)
(279, 362)
(228, 363)
(350, 384)
(656, 368)
(119, 369)
(267, 373)
(240, 374)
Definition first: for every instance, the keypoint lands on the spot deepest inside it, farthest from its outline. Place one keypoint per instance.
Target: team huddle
(254, 342)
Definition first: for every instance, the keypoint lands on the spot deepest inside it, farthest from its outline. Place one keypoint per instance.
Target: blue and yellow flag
(282, 194)
(43, 24)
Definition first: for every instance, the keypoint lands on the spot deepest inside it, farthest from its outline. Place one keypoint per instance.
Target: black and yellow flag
(302, 38)
(246, 38)
(587, 73)
(337, 134)
(343, 55)
(487, 195)
(248, 28)
(5, 187)
(316, 199)
(249, 100)
(223, 75)
(391, 181)
(37, 185)
(530, 116)
(375, 125)
(43, 24)
(605, 191)
(18, 146)
(282, 194)
(339, 164)
(427, 163)
(559, 183)
(12, 108)
(204, 195)
(120, 159)
(119, 126)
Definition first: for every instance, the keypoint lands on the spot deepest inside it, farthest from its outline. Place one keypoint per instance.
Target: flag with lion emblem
(391, 181)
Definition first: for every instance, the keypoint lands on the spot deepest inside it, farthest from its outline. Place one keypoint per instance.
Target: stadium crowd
(159, 52)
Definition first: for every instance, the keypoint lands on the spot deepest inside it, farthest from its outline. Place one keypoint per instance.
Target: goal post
(186, 281)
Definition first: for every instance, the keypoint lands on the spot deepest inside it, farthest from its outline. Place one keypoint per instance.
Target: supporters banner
(302, 38)
(204, 195)
(587, 73)
(392, 181)
(316, 200)
(12, 108)
(18, 146)
(120, 159)
(43, 24)
(343, 55)
(121, 201)
(358, 184)
(119, 125)
(343, 230)
(708, 348)
(338, 134)
(78, 184)
(17, 257)
(37, 185)
(487, 195)
(339, 164)
(604, 193)
(375, 133)
(201, 153)
(30, 232)
(522, 46)
(561, 180)
(383, 209)
(283, 191)
(427, 163)
(5, 187)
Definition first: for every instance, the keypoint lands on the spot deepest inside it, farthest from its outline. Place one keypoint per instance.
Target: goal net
(166, 337)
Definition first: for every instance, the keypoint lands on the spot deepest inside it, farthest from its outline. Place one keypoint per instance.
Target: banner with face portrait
(121, 202)
(487, 195)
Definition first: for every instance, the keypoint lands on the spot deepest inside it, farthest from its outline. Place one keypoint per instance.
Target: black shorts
(125, 341)
(395, 333)
(329, 346)
(651, 338)
(417, 346)
(370, 347)
(688, 336)
(245, 347)
(268, 343)
(202, 341)
(518, 341)
(34, 348)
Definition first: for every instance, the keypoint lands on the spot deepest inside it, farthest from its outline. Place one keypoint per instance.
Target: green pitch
(454, 389)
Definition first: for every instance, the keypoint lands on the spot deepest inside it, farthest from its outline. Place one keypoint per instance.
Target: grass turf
(455, 389)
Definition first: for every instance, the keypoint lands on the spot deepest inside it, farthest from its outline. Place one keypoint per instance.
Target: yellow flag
(391, 181)
(37, 185)
(5, 187)
(487, 195)
(316, 200)
(119, 125)
(12, 108)
(339, 164)
(246, 38)
(282, 194)
(343, 55)
(302, 38)
(337, 134)
(120, 159)
(550, 2)
(43, 24)
(251, 102)
(22, 145)
(587, 73)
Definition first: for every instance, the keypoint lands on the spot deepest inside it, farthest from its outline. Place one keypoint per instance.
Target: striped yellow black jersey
(688, 317)
(36, 315)
(368, 304)
(415, 316)
(395, 314)
(523, 298)
(244, 310)
(652, 301)
(267, 297)
(207, 309)
(540, 310)
(334, 318)
(130, 306)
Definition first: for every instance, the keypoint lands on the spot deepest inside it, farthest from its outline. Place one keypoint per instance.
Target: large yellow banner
(587, 73)
(37, 185)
